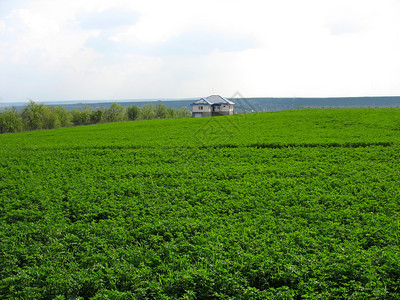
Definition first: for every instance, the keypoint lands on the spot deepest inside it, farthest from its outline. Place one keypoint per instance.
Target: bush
(132, 112)
(114, 113)
(10, 121)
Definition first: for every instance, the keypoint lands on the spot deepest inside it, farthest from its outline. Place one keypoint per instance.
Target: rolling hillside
(298, 204)
(260, 104)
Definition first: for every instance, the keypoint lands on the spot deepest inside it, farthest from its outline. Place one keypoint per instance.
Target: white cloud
(2, 46)
(2, 27)
(179, 48)
(107, 19)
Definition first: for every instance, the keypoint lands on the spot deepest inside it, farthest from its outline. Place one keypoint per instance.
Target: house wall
(227, 108)
(223, 110)
(201, 114)
(201, 108)
(208, 110)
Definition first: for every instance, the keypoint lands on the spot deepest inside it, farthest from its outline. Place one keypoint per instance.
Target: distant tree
(50, 119)
(183, 112)
(172, 113)
(96, 116)
(132, 112)
(85, 115)
(81, 117)
(10, 121)
(147, 112)
(114, 113)
(38, 116)
(161, 111)
(63, 116)
(32, 115)
(75, 117)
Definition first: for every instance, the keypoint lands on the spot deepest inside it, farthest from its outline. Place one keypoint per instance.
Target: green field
(300, 204)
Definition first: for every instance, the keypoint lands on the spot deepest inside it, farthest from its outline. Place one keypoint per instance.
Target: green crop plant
(286, 205)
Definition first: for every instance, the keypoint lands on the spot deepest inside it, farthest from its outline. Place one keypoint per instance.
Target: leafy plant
(285, 205)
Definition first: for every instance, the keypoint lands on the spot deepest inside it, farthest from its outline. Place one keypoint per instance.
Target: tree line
(36, 116)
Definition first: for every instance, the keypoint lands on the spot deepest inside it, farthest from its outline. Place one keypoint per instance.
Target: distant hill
(175, 104)
(278, 104)
(247, 104)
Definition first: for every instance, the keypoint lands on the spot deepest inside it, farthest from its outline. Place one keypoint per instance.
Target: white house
(211, 106)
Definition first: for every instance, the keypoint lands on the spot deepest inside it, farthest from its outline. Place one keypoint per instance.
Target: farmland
(300, 204)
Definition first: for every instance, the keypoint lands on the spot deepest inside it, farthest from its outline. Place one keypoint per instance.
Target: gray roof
(213, 99)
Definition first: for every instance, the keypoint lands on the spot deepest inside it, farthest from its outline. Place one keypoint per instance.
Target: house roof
(213, 99)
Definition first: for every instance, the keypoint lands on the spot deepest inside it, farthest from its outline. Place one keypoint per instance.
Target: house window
(201, 107)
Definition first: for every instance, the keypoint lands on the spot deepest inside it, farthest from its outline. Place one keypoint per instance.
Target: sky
(147, 49)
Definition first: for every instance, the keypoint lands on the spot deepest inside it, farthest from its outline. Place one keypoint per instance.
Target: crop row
(256, 222)
(303, 127)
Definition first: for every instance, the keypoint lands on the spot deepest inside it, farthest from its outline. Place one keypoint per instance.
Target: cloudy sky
(141, 49)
